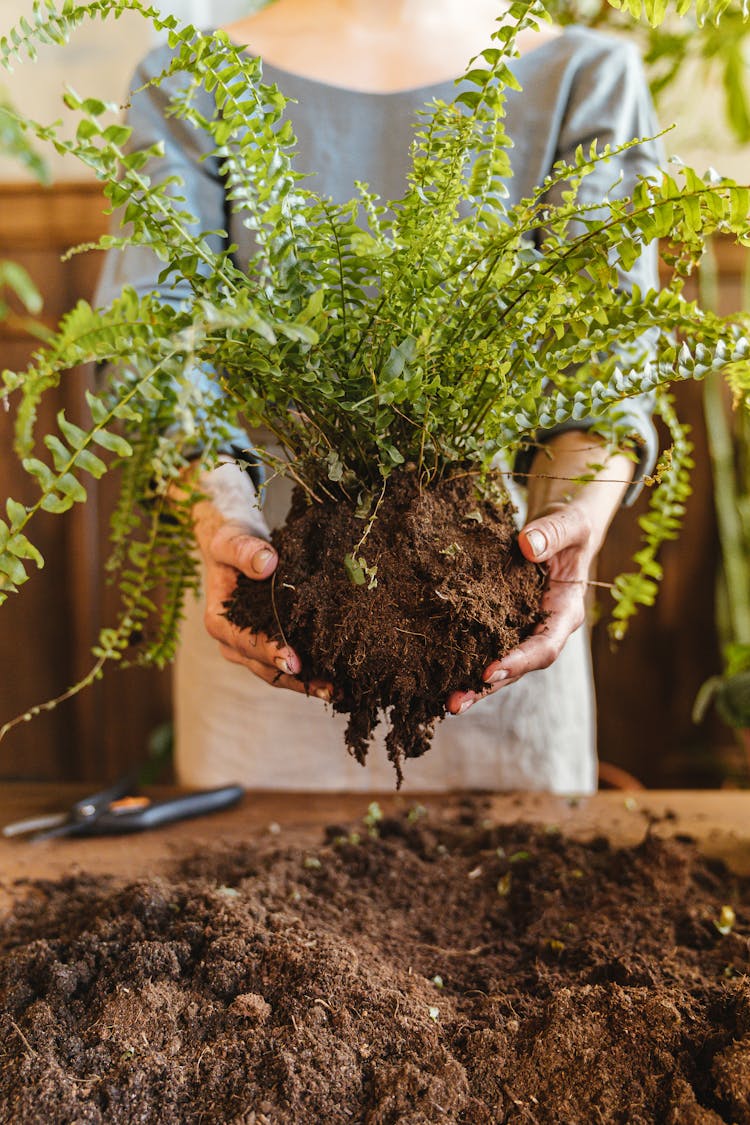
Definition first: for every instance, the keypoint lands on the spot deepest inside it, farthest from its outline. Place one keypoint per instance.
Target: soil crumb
(436, 591)
(426, 968)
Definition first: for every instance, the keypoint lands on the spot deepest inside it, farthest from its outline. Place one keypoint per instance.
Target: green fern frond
(661, 523)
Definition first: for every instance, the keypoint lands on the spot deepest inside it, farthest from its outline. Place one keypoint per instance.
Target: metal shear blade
(119, 810)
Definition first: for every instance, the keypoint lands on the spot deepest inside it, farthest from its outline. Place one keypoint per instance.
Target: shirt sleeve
(609, 102)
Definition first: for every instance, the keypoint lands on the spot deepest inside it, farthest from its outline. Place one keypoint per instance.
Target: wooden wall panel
(48, 629)
(645, 688)
(647, 685)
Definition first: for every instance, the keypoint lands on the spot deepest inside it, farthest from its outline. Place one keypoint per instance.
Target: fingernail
(467, 703)
(261, 559)
(537, 542)
(323, 693)
(284, 664)
(498, 676)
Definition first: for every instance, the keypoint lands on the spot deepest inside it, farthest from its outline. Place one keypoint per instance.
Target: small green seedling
(372, 818)
(726, 920)
(359, 572)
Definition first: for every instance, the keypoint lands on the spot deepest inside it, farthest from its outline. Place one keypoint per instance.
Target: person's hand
(566, 532)
(232, 542)
(563, 540)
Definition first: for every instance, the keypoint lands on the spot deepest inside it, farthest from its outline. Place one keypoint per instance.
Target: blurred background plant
(678, 44)
(728, 432)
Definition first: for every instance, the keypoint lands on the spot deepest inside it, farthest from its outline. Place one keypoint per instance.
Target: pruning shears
(121, 809)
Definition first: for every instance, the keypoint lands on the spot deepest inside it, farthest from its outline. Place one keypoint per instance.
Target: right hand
(228, 547)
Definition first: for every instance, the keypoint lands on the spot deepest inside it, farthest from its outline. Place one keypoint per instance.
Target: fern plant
(363, 336)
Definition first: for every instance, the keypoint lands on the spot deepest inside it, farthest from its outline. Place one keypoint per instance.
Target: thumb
(233, 546)
(547, 535)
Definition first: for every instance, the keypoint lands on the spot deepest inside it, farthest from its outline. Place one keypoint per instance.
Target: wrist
(576, 468)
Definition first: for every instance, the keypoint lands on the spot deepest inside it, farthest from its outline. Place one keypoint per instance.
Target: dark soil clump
(451, 592)
(440, 970)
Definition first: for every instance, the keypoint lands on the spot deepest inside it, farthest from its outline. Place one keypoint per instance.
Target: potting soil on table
(431, 968)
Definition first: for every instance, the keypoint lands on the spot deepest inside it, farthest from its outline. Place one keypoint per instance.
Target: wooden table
(719, 820)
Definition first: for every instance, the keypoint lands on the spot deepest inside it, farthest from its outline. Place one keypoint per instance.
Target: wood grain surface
(720, 822)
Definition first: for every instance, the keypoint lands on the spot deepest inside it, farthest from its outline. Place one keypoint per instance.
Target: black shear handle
(97, 803)
(156, 813)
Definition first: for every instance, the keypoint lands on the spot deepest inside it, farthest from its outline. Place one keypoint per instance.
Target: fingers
(228, 547)
(276, 678)
(538, 651)
(564, 534)
(232, 549)
(460, 701)
(220, 584)
(535, 653)
(231, 546)
(275, 664)
(544, 537)
(565, 608)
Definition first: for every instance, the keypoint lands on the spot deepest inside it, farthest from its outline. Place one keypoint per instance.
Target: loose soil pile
(439, 971)
(451, 593)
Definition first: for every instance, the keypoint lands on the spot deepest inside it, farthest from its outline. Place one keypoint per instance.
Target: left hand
(567, 528)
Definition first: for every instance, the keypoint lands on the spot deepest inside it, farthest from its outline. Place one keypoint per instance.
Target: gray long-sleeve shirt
(578, 87)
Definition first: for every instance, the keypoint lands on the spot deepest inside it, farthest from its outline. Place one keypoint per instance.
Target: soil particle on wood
(429, 968)
(451, 593)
